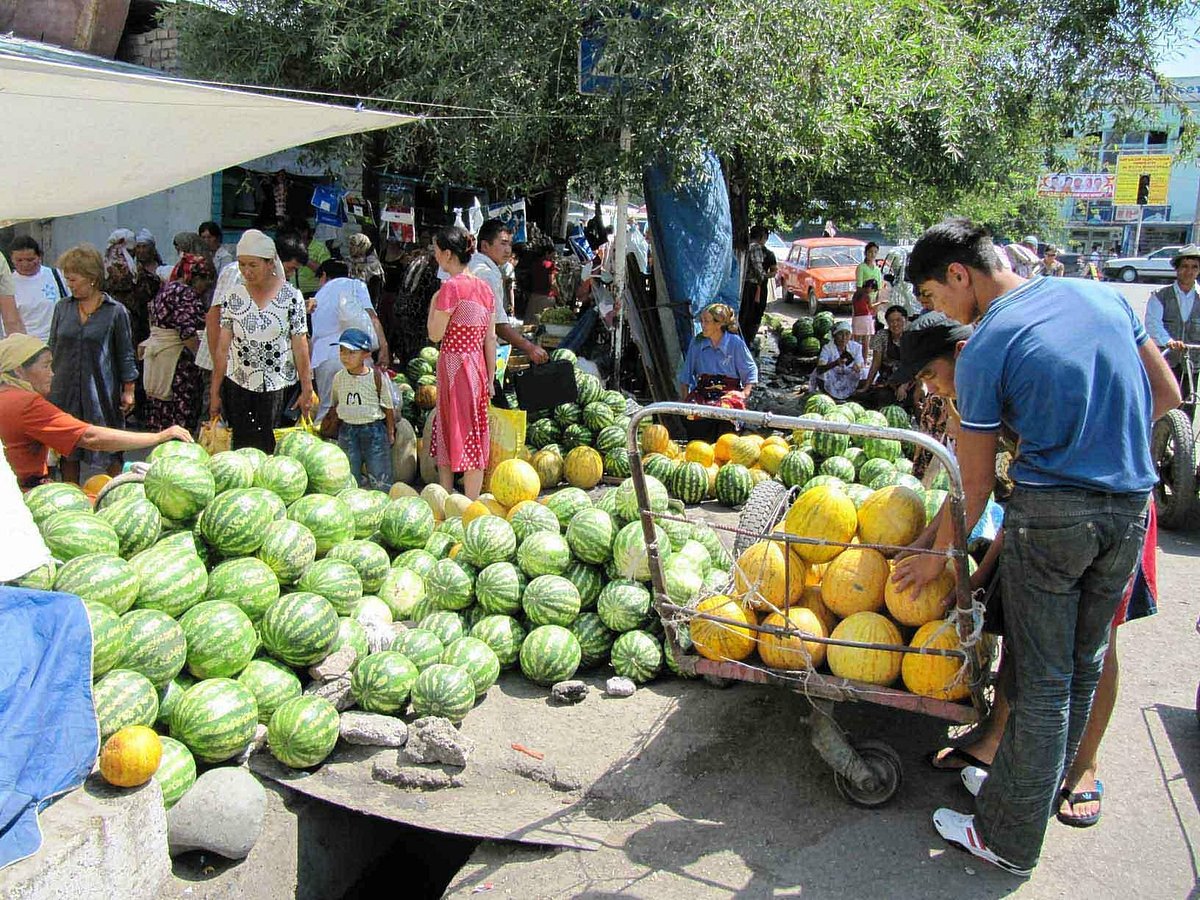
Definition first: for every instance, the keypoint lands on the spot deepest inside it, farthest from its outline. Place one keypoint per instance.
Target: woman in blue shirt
(718, 369)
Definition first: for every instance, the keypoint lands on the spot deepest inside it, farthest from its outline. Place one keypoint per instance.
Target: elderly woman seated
(718, 370)
(840, 366)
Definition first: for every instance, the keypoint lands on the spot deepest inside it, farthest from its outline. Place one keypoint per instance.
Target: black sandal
(956, 753)
(1072, 798)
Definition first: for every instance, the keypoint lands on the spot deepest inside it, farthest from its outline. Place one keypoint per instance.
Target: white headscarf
(144, 236)
(254, 243)
(118, 242)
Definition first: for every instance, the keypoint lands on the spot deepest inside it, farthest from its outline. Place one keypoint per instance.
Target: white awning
(81, 137)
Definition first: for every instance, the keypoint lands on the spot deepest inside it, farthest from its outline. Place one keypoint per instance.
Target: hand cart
(1173, 449)
(867, 772)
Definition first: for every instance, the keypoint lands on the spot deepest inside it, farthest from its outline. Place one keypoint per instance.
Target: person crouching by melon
(31, 426)
(840, 366)
(717, 371)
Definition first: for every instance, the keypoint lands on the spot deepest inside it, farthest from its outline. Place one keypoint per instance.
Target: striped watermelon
(422, 647)
(368, 558)
(897, 416)
(101, 577)
(407, 523)
(220, 639)
(303, 731)
(566, 503)
(827, 443)
(366, 508)
(272, 684)
(449, 586)
(734, 484)
(299, 628)
(39, 579)
(419, 560)
(137, 523)
(822, 481)
(155, 645)
(679, 532)
(477, 658)
(590, 535)
(859, 493)
(904, 466)
(215, 719)
(562, 354)
(178, 486)
(549, 654)
(440, 544)
(503, 634)
(294, 443)
(544, 553)
(487, 540)
(170, 578)
(623, 605)
(351, 633)
(176, 772)
(589, 387)
(274, 502)
(627, 502)
(70, 534)
(531, 517)
(178, 450)
(283, 476)
(683, 579)
(838, 467)
(616, 463)
(550, 600)
(595, 639)
(695, 554)
(327, 466)
(402, 590)
(717, 552)
(610, 438)
(169, 695)
(616, 402)
(658, 466)
(498, 589)
(444, 690)
(254, 455)
(935, 498)
(248, 582)
(637, 656)
(690, 483)
(335, 580)
(124, 698)
(288, 548)
(630, 556)
(115, 493)
(45, 500)
(327, 517)
(874, 468)
(371, 609)
(108, 637)
(588, 580)
(820, 403)
(882, 448)
(235, 523)
(382, 682)
(230, 471)
(447, 625)
(567, 414)
(597, 416)
(543, 432)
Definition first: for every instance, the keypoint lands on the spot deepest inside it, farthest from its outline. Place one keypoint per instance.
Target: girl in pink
(460, 317)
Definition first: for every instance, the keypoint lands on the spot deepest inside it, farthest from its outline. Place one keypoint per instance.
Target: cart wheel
(763, 509)
(718, 682)
(1173, 452)
(885, 763)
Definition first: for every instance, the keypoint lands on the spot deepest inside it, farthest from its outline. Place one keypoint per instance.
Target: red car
(821, 271)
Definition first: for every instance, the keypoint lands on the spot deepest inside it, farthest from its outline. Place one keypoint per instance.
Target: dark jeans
(368, 443)
(754, 304)
(1067, 556)
(252, 415)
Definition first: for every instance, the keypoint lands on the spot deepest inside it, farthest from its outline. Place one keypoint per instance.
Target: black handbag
(546, 386)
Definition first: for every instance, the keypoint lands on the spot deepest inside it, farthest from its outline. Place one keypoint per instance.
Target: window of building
(1156, 138)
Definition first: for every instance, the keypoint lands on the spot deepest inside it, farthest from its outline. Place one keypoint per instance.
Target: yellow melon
(935, 676)
(744, 451)
(713, 471)
(822, 512)
(930, 603)
(757, 474)
(778, 440)
(92, 486)
(699, 451)
(793, 652)
(674, 451)
(892, 515)
(858, 664)
(718, 640)
(771, 456)
(583, 468)
(757, 438)
(655, 439)
(722, 447)
(549, 466)
(455, 505)
(435, 495)
(816, 572)
(494, 506)
(474, 511)
(812, 601)
(764, 576)
(400, 489)
(854, 582)
(515, 480)
(455, 549)
(130, 757)
(525, 453)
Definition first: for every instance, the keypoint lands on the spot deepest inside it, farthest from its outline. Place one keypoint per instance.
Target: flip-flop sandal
(1081, 797)
(936, 761)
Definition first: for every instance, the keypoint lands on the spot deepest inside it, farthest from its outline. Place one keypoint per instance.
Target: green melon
(334, 579)
(247, 582)
(611, 437)
(176, 772)
(498, 589)
(215, 719)
(616, 463)
(178, 449)
(155, 645)
(588, 580)
(169, 695)
(440, 544)
(402, 590)
(444, 690)
(839, 467)
(302, 732)
(828, 443)
(179, 487)
(734, 484)
(289, 548)
(235, 523)
(272, 684)
(220, 639)
(859, 493)
(123, 697)
(137, 523)
(114, 493)
(327, 467)
(881, 448)
(407, 523)
(71, 533)
(327, 517)
(108, 637)
(683, 579)
(230, 471)
(630, 555)
(283, 476)
(487, 540)
(532, 517)
(565, 503)
(636, 656)
(690, 482)
(656, 491)
(623, 605)
(446, 624)
(551, 600)
(299, 628)
(872, 469)
(422, 647)
(544, 553)
(450, 586)
(45, 500)
(101, 577)
(549, 654)
(590, 536)
(366, 508)
(351, 633)
(382, 682)
(368, 558)
(256, 456)
(477, 658)
(503, 634)
(823, 481)
(595, 638)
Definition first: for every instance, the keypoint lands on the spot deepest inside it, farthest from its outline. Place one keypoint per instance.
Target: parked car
(1155, 266)
(820, 271)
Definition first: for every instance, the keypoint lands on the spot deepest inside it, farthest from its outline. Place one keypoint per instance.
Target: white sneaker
(973, 778)
(959, 830)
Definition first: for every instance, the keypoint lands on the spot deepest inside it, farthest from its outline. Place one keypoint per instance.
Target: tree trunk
(739, 204)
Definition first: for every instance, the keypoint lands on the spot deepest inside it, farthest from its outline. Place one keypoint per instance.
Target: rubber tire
(788, 296)
(1175, 493)
(885, 761)
(762, 511)
(813, 306)
(1129, 275)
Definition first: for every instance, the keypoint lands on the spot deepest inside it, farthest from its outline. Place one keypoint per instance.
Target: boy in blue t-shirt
(1066, 367)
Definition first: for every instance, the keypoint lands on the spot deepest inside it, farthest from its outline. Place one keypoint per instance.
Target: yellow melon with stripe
(583, 468)
(935, 676)
(892, 515)
(854, 581)
(771, 456)
(777, 440)
(914, 609)
(880, 667)
(823, 512)
(514, 480)
(719, 640)
(699, 451)
(791, 651)
(486, 505)
(744, 451)
(764, 576)
(655, 439)
(722, 447)
(812, 601)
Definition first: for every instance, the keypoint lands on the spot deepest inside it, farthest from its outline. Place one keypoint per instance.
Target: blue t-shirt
(730, 357)
(1056, 360)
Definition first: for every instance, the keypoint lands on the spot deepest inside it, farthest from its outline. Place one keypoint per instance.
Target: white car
(1129, 269)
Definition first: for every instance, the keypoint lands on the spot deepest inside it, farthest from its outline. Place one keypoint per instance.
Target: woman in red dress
(460, 317)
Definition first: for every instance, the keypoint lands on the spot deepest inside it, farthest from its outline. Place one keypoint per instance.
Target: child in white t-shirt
(363, 404)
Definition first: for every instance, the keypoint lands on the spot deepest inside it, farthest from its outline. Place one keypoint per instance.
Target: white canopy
(81, 137)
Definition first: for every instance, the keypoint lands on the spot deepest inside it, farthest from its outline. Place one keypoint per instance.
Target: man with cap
(493, 251)
(1066, 367)
(1172, 313)
(365, 412)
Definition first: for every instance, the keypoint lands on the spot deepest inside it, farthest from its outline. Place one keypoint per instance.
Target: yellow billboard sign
(1130, 169)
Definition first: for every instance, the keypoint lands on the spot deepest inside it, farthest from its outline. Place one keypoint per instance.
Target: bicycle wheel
(1173, 451)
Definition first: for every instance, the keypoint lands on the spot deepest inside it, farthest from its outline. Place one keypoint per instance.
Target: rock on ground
(222, 813)
(569, 691)
(256, 743)
(373, 730)
(433, 739)
(337, 663)
(415, 777)
(619, 687)
(335, 690)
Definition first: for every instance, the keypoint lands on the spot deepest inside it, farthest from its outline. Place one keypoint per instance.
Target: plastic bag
(352, 304)
(215, 436)
(506, 428)
(305, 424)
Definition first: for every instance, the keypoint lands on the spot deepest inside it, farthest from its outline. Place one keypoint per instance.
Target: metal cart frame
(868, 772)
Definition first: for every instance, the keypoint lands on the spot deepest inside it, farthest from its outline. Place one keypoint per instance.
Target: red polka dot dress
(460, 437)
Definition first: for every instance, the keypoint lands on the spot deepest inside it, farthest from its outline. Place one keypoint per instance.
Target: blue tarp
(48, 733)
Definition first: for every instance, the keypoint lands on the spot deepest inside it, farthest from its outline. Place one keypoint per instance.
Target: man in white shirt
(1172, 313)
(211, 234)
(334, 281)
(495, 249)
(37, 288)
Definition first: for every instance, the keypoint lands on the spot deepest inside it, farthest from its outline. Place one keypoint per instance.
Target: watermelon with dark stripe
(382, 682)
(543, 553)
(656, 465)
(882, 448)
(366, 508)
(303, 731)
(179, 487)
(407, 523)
(231, 471)
(822, 481)
(334, 579)
(616, 463)
(566, 503)
(256, 456)
(221, 639)
(597, 415)
(904, 466)
(595, 639)
(101, 577)
(115, 493)
(796, 468)
(532, 517)
(477, 658)
(859, 493)
(588, 580)
(170, 577)
(576, 436)
(550, 600)
(351, 633)
(40, 579)
(327, 517)
(176, 772)
(623, 605)
(440, 544)
(272, 684)
(487, 540)
(734, 484)
(247, 582)
(422, 647)
(444, 690)
(108, 637)
(294, 443)
(215, 719)
(690, 482)
(826, 443)
(402, 590)
(934, 500)
(420, 561)
(498, 589)
(446, 624)
(70, 534)
(169, 695)
(235, 523)
(610, 438)
(549, 654)
(368, 558)
(590, 535)
(679, 532)
(839, 467)
(123, 697)
(503, 634)
(155, 645)
(137, 522)
(178, 450)
(588, 387)
(567, 414)
(615, 401)
(656, 491)
(449, 586)
(283, 476)
(630, 556)
(637, 656)
(897, 416)
(299, 628)
(45, 500)
(873, 468)
(327, 466)
(289, 548)
(820, 403)
(274, 502)
(543, 432)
